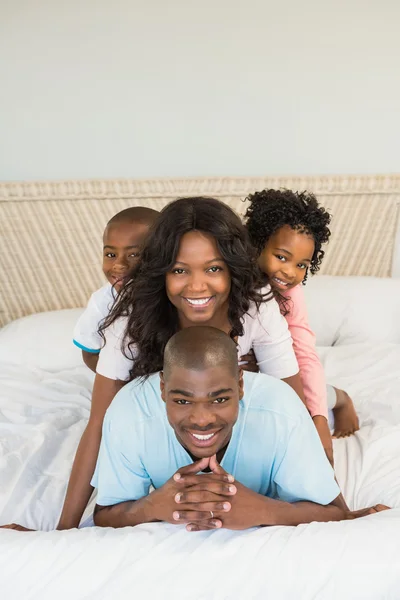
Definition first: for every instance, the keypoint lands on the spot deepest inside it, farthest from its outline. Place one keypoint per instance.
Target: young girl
(288, 230)
(197, 268)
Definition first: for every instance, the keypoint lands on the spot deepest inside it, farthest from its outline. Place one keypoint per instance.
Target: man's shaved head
(199, 348)
(139, 214)
(202, 386)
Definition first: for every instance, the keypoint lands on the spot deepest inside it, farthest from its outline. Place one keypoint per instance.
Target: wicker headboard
(51, 232)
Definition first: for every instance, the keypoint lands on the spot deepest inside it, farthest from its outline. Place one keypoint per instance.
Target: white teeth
(198, 301)
(280, 281)
(203, 437)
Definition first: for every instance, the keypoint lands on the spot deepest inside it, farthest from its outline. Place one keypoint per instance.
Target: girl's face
(286, 257)
(199, 283)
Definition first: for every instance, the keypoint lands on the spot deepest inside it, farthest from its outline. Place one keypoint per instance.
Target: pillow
(42, 340)
(347, 310)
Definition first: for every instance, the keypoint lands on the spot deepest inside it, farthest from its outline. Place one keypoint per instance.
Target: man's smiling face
(202, 406)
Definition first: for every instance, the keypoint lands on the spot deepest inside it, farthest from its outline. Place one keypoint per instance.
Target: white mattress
(42, 416)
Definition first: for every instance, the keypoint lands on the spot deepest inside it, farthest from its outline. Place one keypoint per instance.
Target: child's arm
(79, 489)
(90, 360)
(311, 370)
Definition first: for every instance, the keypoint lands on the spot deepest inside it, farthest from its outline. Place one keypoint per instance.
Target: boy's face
(121, 249)
(202, 407)
(286, 257)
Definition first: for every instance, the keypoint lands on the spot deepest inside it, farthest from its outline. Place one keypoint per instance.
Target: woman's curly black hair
(151, 318)
(270, 210)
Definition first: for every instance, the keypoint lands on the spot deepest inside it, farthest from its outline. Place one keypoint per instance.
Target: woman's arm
(79, 489)
(90, 359)
(295, 383)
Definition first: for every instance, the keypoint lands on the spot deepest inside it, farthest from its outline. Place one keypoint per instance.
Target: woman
(197, 268)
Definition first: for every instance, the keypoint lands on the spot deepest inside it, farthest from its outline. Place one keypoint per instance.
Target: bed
(45, 401)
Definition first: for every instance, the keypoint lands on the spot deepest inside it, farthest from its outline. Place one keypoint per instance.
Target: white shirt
(265, 331)
(86, 335)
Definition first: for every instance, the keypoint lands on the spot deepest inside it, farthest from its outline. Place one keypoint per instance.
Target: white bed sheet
(41, 420)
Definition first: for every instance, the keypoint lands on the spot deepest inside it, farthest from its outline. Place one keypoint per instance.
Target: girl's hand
(248, 362)
(322, 427)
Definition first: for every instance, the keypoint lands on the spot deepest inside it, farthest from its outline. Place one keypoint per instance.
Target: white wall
(129, 88)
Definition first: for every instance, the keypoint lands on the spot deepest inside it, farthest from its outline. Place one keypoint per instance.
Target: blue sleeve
(304, 472)
(119, 477)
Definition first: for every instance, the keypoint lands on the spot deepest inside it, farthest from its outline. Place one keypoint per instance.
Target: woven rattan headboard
(51, 232)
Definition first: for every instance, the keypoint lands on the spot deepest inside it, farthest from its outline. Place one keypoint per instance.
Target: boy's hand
(248, 362)
(246, 506)
(322, 427)
(192, 497)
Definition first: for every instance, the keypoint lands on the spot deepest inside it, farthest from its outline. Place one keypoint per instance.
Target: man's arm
(250, 509)
(277, 512)
(125, 514)
(164, 505)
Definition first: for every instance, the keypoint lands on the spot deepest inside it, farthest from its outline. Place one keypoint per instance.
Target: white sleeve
(86, 335)
(112, 361)
(271, 341)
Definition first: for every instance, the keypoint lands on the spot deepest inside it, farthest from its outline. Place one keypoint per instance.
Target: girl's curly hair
(151, 318)
(270, 210)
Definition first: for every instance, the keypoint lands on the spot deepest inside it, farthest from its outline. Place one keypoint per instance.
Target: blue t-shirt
(274, 449)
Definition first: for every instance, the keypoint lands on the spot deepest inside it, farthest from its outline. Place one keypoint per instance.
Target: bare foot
(16, 527)
(364, 512)
(346, 420)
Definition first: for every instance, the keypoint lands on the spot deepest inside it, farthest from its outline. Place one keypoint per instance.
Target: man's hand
(322, 427)
(190, 497)
(248, 362)
(247, 508)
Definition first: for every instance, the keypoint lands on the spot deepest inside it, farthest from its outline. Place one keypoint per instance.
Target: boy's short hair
(139, 214)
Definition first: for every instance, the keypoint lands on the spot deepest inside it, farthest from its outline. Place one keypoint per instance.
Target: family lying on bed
(171, 333)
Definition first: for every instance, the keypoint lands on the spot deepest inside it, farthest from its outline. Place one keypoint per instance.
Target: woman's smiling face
(199, 282)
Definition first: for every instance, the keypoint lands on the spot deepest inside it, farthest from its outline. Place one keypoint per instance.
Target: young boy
(123, 236)
(122, 239)
(222, 449)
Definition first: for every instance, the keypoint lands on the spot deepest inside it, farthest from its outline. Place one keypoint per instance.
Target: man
(221, 449)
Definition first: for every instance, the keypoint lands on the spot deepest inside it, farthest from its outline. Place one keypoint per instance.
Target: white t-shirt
(86, 335)
(265, 331)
